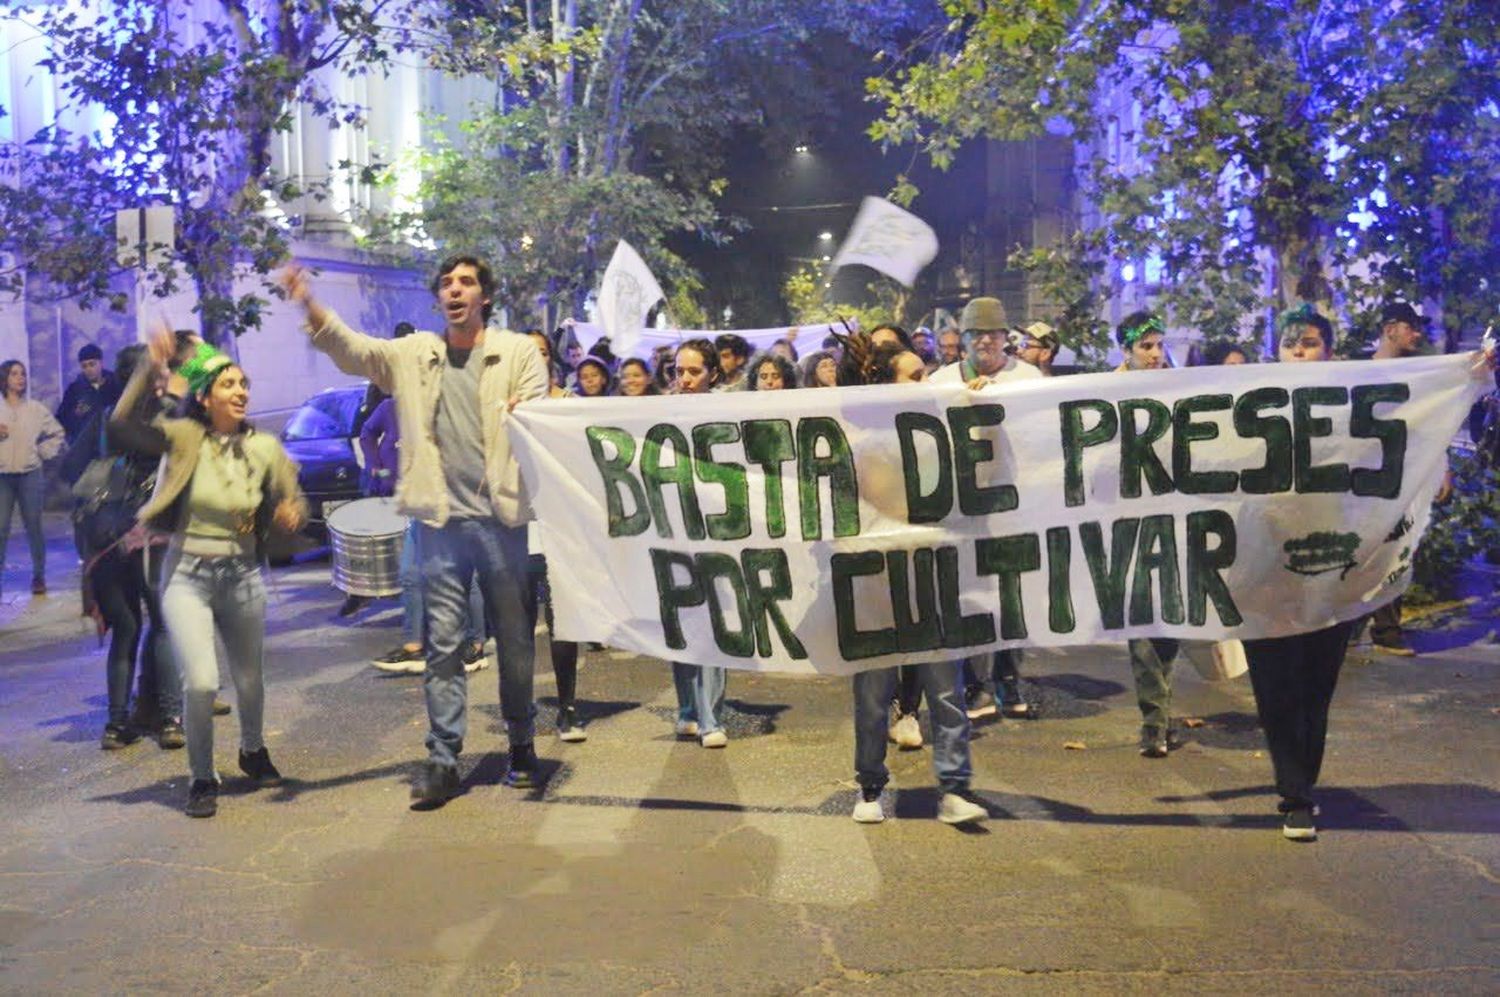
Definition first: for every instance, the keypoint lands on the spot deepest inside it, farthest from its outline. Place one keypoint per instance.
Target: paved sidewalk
(646, 864)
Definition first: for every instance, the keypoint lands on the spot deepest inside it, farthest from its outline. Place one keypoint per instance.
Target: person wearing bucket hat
(986, 339)
(220, 489)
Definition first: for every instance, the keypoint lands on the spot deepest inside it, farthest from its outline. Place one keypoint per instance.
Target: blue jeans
(700, 694)
(452, 556)
(944, 685)
(412, 601)
(25, 490)
(224, 594)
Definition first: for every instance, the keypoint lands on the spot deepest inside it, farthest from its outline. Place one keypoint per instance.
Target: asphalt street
(644, 864)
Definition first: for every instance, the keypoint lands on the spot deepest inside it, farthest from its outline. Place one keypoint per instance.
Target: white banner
(626, 295)
(890, 239)
(806, 338)
(833, 531)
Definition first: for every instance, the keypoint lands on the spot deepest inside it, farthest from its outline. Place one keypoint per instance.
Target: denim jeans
(1151, 664)
(24, 490)
(943, 683)
(224, 594)
(700, 694)
(412, 602)
(452, 556)
(120, 589)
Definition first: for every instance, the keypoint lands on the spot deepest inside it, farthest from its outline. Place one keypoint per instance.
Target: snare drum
(366, 540)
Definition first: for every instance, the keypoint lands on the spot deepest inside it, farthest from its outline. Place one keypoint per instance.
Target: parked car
(323, 438)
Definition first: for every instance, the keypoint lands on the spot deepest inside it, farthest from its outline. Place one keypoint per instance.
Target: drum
(366, 540)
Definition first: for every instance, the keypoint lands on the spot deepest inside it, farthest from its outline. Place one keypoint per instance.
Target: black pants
(1294, 678)
(564, 652)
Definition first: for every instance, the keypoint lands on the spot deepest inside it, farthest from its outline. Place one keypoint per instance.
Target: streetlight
(826, 236)
(800, 149)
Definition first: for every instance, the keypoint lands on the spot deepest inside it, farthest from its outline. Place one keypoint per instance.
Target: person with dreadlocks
(1140, 337)
(220, 489)
(863, 363)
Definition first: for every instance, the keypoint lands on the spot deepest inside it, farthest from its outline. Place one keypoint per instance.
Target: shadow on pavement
(1429, 808)
(79, 728)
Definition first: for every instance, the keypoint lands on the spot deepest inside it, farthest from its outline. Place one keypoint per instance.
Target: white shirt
(1014, 370)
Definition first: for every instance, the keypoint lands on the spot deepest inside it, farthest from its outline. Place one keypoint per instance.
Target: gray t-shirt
(460, 437)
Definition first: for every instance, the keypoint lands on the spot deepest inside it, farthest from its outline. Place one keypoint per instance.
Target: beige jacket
(32, 436)
(410, 369)
(178, 442)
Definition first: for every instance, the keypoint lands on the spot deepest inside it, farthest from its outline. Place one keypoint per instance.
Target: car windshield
(328, 416)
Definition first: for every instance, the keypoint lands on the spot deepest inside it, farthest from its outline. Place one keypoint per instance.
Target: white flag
(625, 297)
(889, 239)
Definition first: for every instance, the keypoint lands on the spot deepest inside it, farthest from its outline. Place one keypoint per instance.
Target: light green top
(227, 488)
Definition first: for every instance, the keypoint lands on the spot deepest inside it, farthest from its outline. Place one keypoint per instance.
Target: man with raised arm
(453, 392)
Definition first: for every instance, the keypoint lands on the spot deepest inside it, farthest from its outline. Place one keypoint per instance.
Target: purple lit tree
(1256, 154)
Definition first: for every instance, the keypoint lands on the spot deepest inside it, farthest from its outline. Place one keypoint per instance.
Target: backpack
(106, 497)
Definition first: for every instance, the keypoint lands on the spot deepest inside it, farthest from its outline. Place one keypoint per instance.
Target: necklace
(232, 466)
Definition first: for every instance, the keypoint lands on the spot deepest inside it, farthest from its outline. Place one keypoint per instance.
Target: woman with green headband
(221, 488)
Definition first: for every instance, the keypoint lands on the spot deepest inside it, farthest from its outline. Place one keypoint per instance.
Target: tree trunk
(620, 65)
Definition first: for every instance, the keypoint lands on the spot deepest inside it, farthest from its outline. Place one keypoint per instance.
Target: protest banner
(831, 531)
(807, 337)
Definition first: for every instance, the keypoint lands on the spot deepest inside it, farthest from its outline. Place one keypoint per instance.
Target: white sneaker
(868, 812)
(687, 728)
(475, 665)
(954, 809)
(906, 733)
(714, 739)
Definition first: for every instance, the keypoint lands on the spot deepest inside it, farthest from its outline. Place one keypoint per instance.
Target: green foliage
(1229, 144)
(195, 101)
(810, 303)
(1463, 527)
(614, 121)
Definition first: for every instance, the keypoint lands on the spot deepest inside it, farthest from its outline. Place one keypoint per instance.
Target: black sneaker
(474, 658)
(170, 735)
(221, 708)
(403, 660)
(1297, 824)
(568, 727)
(117, 736)
(257, 765)
(1153, 741)
(435, 785)
(980, 704)
(522, 773)
(203, 798)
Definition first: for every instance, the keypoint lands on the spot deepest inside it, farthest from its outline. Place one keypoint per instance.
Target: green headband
(1303, 314)
(1133, 333)
(200, 370)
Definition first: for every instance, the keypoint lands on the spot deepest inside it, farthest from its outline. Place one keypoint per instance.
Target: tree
(1252, 154)
(612, 120)
(196, 94)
